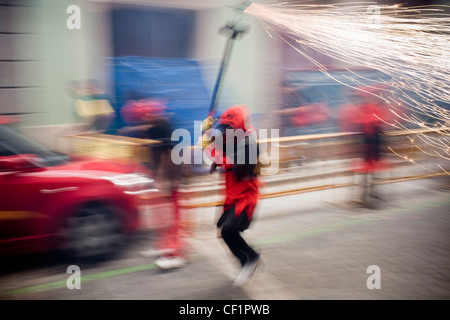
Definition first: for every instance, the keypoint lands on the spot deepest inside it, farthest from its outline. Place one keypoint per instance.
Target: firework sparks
(410, 45)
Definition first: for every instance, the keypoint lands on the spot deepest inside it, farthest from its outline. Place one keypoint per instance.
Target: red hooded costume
(242, 193)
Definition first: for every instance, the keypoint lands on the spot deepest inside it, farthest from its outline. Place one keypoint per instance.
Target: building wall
(39, 55)
(21, 60)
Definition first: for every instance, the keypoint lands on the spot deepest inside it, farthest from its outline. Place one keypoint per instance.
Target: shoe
(153, 253)
(170, 263)
(247, 273)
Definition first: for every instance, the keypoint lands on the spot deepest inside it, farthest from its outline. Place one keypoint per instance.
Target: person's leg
(238, 246)
(245, 248)
(170, 242)
(365, 188)
(231, 228)
(247, 256)
(231, 238)
(176, 243)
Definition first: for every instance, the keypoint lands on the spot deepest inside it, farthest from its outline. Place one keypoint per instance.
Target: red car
(85, 208)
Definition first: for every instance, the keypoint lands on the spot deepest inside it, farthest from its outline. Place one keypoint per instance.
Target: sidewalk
(330, 181)
(314, 247)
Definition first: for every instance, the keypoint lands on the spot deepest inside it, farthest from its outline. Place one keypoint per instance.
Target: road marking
(310, 232)
(62, 283)
(262, 286)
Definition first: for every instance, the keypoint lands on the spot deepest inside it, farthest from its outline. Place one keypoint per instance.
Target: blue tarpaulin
(177, 81)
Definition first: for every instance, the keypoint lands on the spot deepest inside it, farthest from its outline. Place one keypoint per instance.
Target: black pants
(238, 246)
(231, 228)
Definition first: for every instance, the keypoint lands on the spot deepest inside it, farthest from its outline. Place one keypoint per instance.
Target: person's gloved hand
(206, 125)
(212, 168)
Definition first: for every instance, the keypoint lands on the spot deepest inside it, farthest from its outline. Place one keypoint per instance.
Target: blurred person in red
(306, 116)
(368, 115)
(147, 118)
(150, 122)
(241, 185)
(290, 100)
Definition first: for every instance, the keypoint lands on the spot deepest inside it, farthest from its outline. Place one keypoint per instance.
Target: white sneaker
(153, 253)
(169, 263)
(247, 273)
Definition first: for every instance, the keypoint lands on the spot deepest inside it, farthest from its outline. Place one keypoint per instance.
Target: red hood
(235, 117)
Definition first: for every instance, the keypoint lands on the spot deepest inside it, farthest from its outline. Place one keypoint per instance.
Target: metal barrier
(305, 164)
(113, 147)
(306, 158)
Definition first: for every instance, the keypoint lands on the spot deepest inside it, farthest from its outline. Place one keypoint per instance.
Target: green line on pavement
(273, 240)
(310, 232)
(63, 283)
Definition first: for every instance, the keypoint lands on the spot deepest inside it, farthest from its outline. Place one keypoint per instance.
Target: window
(152, 32)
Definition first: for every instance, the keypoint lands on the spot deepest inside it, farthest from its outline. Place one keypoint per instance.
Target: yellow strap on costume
(206, 125)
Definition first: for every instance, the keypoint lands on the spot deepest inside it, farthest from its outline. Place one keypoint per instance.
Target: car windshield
(13, 143)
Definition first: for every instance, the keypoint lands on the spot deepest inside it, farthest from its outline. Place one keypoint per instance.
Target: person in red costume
(237, 154)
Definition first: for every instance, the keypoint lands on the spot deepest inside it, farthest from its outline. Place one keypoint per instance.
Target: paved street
(315, 246)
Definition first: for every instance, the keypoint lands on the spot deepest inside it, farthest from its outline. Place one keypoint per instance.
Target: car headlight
(133, 183)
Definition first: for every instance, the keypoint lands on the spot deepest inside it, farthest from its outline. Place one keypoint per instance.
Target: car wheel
(92, 232)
